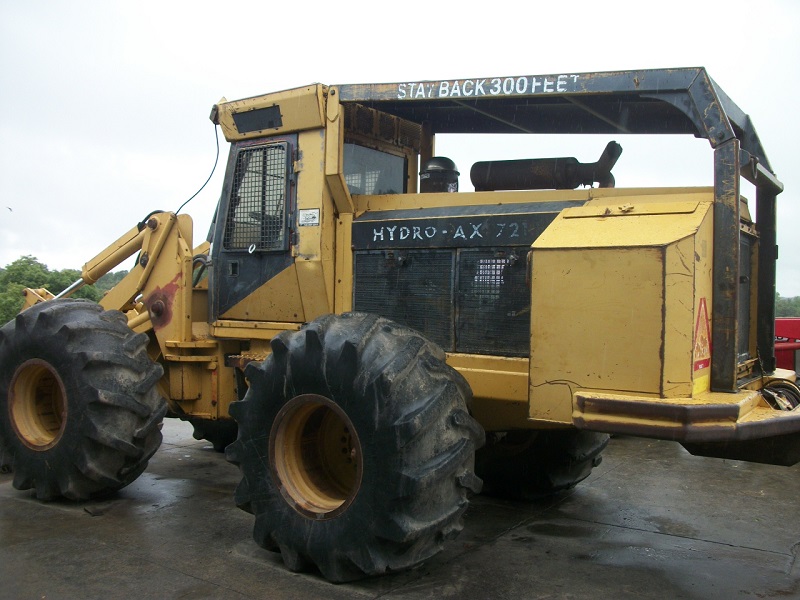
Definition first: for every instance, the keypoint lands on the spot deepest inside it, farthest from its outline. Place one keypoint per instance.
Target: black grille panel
(493, 302)
(414, 288)
(470, 300)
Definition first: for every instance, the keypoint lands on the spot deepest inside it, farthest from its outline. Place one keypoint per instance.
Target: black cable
(143, 223)
(214, 168)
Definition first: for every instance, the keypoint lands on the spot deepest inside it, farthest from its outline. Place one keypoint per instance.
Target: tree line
(787, 307)
(28, 272)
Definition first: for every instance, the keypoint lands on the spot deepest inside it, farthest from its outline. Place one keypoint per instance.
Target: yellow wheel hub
(37, 404)
(315, 456)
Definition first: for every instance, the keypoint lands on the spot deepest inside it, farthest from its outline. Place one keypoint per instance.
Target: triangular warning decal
(702, 338)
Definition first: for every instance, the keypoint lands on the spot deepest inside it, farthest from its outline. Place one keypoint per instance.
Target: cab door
(253, 229)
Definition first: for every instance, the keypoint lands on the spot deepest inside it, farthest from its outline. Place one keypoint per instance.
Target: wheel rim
(37, 404)
(315, 456)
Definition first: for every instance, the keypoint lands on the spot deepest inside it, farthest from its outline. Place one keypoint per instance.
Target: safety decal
(308, 217)
(702, 338)
(491, 86)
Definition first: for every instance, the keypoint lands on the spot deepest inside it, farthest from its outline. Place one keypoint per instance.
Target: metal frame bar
(766, 221)
(725, 303)
(711, 113)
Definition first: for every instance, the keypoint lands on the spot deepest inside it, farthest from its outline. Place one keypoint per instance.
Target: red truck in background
(787, 342)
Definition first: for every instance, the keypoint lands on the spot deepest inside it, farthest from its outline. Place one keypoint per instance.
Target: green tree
(109, 280)
(28, 272)
(10, 301)
(24, 272)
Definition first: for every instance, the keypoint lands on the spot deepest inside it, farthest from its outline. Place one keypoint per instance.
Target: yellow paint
(250, 330)
(601, 274)
(312, 289)
(300, 109)
(677, 418)
(499, 387)
(334, 140)
(620, 288)
(344, 264)
(703, 301)
(279, 299)
(600, 196)
(701, 384)
(679, 319)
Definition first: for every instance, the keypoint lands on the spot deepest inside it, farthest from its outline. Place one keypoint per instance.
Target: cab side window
(369, 171)
(257, 209)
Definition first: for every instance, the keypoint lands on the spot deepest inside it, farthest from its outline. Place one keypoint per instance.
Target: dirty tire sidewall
(111, 423)
(533, 464)
(416, 446)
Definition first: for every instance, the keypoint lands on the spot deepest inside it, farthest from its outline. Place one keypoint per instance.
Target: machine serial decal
(494, 86)
(451, 232)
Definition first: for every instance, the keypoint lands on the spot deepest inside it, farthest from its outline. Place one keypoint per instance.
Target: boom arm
(157, 288)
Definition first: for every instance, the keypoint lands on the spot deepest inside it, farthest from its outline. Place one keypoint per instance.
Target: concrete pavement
(650, 522)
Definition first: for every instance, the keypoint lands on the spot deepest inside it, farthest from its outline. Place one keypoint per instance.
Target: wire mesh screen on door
(258, 199)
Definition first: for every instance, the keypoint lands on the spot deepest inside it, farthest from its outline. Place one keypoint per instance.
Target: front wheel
(80, 414)
(355, 446)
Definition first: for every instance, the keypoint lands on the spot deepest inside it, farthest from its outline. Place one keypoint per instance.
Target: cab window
(369, 171)
(257, 209)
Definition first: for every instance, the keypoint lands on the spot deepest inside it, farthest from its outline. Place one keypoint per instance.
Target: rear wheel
(79, 412)
(220, 432)
(526, 465)
(355, 446)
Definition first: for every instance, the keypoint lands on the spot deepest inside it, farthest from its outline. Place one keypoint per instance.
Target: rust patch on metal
(159, 303)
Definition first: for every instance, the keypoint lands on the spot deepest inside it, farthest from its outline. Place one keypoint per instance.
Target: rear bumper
(738, 426)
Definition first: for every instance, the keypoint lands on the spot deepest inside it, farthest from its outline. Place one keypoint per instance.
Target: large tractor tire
(80, 415)
(528, 465)
(356, 448)
(220, 432)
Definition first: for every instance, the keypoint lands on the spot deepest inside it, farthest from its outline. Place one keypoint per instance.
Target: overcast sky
(105, 104)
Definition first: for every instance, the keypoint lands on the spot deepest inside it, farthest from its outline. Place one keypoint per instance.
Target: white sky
(105, 104)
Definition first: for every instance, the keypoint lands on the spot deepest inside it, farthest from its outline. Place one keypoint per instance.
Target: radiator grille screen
(414, 288)
(493, 302)
(472, 301)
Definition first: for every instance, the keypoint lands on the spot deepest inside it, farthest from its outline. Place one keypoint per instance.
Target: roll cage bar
(653, 101)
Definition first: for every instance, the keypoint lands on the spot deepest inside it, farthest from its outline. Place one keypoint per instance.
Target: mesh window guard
(255, 219)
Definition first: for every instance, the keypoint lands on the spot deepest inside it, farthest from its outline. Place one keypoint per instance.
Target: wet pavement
(650, 522)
